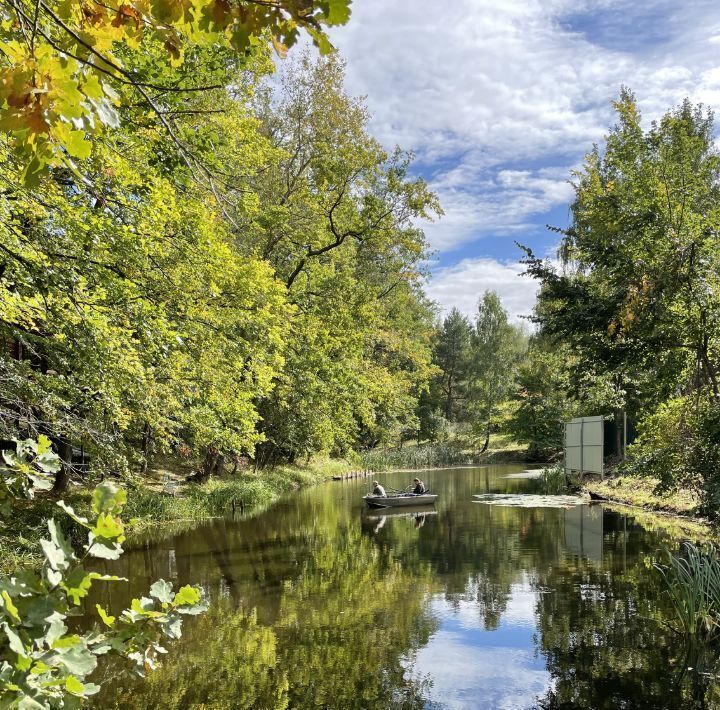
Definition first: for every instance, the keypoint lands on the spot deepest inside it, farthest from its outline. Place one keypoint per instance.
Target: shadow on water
(319, 603)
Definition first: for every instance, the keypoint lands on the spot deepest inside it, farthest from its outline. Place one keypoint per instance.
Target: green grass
(215, 496)
(643, 492)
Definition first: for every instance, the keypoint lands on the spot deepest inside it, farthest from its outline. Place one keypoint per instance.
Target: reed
(692, 581)
(415, 456)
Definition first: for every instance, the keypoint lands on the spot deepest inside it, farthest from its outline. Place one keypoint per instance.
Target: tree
(542, 401)
(128, 313)
(497, 347)
(69, 69)
(637, 299)
(453, 355)
(338, 226)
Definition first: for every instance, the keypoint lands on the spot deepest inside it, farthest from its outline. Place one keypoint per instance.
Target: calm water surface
(318, 603)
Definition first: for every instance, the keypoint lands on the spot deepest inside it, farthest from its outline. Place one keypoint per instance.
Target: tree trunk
(487, 441)
(146, 446)
(619, 432)
(209, 465)
(62, 477)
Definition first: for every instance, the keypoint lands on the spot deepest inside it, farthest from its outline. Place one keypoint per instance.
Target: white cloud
(474, 668)
(490, 93)
(461, 285)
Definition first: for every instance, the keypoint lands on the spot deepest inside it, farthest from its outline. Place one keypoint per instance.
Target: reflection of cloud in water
(474, 668)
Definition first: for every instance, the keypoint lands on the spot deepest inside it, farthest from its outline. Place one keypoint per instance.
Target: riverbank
(148, 505)
(675, 510)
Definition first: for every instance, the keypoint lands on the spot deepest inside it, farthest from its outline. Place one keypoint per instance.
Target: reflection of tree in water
(344, 621)
(600, 621)
(603, 636)
(337, 610)
(479, 557)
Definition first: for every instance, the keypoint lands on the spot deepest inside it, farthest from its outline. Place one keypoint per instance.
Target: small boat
(400, 500)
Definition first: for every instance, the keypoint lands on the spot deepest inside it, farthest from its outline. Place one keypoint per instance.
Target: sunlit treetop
(68, 66)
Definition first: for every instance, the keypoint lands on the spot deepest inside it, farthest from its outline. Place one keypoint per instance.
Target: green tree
(637, 300)
(453, 355)
(497, 348)
(338, 224)
(638, 297)
(542, 401)
(68, 70)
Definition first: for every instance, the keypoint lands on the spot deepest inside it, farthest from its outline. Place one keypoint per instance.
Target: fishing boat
(400, 500)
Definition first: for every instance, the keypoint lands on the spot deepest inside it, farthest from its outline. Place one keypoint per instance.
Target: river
(318, 603)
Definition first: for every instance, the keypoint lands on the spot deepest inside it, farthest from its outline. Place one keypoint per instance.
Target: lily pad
(528, 500)
(530, 473)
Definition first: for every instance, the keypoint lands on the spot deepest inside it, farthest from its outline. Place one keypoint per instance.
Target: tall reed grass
(415, 456)
(692, 580)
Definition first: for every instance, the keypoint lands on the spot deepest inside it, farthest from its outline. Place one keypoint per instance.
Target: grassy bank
(641, 492)
(148, 505)
(215, 496)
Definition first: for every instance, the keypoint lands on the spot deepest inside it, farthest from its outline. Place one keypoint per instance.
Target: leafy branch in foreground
(43, 664)
(67, 69)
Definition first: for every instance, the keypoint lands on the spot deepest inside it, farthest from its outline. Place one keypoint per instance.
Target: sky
(501, 99)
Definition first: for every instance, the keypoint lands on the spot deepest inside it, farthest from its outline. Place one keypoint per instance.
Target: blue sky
(500, 100)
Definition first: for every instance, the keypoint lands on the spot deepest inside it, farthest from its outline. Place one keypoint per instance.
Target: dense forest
(230, 267)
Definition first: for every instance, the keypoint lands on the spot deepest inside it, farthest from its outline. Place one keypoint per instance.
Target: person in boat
(378, 490)
(419, 487)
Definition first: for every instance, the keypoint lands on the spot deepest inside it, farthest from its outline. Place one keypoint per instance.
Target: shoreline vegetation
(252, 491)
(648, 504)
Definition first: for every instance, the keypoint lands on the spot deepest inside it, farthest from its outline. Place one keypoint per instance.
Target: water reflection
(319, 603)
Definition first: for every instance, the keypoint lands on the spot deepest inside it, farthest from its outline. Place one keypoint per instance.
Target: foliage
(637, 298)
(554, 481)
(679, 444)
(145, 310)
(68, 70)
(542, 401)
(692, 580)
(26, 470)
(339, 227)
(42, 664)
(498, 347)
(476, 368)
(453, 355)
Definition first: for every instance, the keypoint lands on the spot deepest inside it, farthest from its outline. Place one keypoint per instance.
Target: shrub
(680, 445)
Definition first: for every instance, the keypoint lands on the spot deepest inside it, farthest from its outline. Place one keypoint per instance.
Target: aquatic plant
(692, 580)
(555, 481)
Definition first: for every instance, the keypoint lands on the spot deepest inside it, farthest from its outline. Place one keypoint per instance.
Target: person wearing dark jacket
(419, 487)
